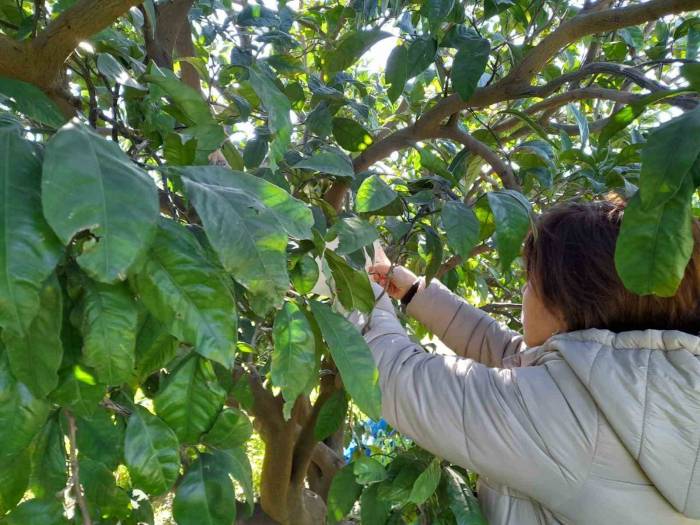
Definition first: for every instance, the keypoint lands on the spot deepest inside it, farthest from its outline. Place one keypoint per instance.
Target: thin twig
(75, 470)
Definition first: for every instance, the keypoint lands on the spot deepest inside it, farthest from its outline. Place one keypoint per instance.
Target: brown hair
(569, 259)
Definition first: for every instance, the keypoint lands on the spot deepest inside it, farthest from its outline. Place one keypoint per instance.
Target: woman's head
(573, 283)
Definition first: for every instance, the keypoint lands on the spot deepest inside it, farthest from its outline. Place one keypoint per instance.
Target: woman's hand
(396, 282)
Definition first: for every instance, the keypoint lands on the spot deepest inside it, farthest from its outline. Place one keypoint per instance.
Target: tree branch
(75, 470)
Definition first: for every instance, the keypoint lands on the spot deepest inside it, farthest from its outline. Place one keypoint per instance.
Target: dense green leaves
(188, 294)
(35, 355)
(294, 354)
(461, 227)
(37, 512)
(343, 494)
(190, 399)
(664, 236)
(109, 326)
(511, 213)
(78, 390)
(663, 174)
(151, 452)
(245, 219)
(14, 477)
(28, 249)
(205, 495)
(47, 456)
(353, 358)
(108, 195)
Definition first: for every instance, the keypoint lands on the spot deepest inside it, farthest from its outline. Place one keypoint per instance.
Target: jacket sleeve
(466, 330)
(513, 427)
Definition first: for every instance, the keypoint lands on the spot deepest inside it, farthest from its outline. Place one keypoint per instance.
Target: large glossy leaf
(29, 250)
(331, 416)
(278, 106)
(237, 464)
(343, 494)
(101, 438)
(89, 184)
(468, 65)
(511, 212)
(353, 358)
(47, 455)
(663, 174)
(294, 354)
(232, 428)
(102, 495)
(245, 219)
(35, 355)
(331, 162)
(187, 293)
(151, 451)
(426, 484)
(110, 320)
(155, 347)
(78, 390)
(205, 495)
(14, 477)
(22, 415)
(30, 100)
(354, 233)
(654, 246)
(374, 194)
(190, 399)
(396, 72)
(351, 286)
(351, 47)
(37, 512)
(461, 227)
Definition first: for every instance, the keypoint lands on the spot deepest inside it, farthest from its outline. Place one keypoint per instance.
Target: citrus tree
(189, 189)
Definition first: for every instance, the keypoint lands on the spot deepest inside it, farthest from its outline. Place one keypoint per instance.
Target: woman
(591, 417)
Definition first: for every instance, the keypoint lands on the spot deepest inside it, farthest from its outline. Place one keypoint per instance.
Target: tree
(173, 175)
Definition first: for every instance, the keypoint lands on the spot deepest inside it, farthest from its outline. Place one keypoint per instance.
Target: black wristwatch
(409, 294)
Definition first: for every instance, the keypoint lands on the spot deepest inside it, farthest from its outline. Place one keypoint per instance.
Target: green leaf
(101, 439)
(351, 286)
(14, 478)
(102, 495)
(205, 495)
(21, 414)
(155, 347)
(331, 416)
(353, 358)
(30, 100)
(110, 320)
(278, 107)
(461, 227)
(436, 11)
(304, 274)
(188, 101)
(511, 212)
(396, 72)
(426, 484)
(691, 72)
(350, 134)
(188, 294)
(350, 48)
(468, 65)
(331, 162)
(432, 252)
(190, 399)
(37, 512)
(654, 246)
(90, 184)
(151, 451)
(354, 233)
(29, 250)
(179, 150)
(343, 494)
(237, 464)
(245, 219)
(463, 504)
(374, 194)
(232, 428)
(662, 175)
(530, 122)
(78, 390)
(47, 455)
(581, 122)
(35, 356)
(114, 71)
(373, 509)
(368, 470)
(294, 354)
(421, 54)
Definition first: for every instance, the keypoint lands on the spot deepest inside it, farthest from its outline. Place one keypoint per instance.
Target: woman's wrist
(411, 292)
